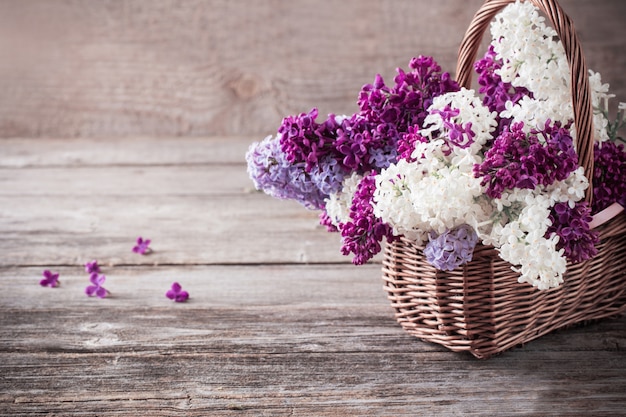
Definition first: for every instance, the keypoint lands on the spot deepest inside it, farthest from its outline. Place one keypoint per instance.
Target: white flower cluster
(338, 204)
(535, 59)
(439, 191)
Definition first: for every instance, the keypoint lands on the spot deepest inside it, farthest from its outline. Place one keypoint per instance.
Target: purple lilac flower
(96, 288)
(328, 175)
(50, 279)
(143, 246)
(275, 175)
(363, 234)
(609, 178)
(326, 221)
(177, 294)
(496, 93)
(303, 140)
(452, 248)
(458, 135)
(91, 267)
(518, 160)
(406, 144)
(354, 141)
(572, 227)
(387, 113)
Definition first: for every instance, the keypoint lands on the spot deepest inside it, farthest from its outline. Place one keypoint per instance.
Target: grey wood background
(121, 68)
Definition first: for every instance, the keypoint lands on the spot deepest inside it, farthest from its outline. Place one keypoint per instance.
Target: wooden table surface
(278, 322)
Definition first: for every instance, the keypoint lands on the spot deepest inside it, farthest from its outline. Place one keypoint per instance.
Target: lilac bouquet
(450, 167)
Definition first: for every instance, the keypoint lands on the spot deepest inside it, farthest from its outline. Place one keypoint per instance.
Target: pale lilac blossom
(452, 248)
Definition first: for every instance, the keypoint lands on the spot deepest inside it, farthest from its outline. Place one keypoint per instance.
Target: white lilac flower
(600, 101)
(338, 203)
(534, 59)
(393, 200)
(571, 190)
(521, 239)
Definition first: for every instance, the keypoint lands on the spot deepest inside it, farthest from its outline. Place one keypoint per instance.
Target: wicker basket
(480, 307)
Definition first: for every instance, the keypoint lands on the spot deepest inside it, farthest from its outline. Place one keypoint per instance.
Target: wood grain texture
(86, 68)
(278, 323)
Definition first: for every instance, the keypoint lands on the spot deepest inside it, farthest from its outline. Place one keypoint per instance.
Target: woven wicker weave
(481, 308)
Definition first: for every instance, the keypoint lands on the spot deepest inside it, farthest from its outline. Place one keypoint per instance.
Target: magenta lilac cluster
(308, 160)
(496, 93)
(524, 161)
(609, 178)
(572, 226)
(361, 236)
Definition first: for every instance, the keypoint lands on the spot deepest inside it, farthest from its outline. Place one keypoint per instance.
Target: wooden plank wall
(118, 68)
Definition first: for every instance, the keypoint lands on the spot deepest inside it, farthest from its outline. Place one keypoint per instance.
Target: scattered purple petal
(96, 289)
(92, 267)
(50, 279)
(177, 294)
(143, 246)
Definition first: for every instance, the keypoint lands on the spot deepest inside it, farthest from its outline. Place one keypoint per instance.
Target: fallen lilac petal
(91, 267)
(50, 279)
(177, 294)
(142, 246)
(96, 289)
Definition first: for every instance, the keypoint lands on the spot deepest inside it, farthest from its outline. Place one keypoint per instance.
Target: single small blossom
(177, 294)
(96, 288)
(91, 267)
(49, 279)
(142, 246)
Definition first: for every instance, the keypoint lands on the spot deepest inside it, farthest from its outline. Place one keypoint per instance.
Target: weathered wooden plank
(204, 180)
(306, 340)
(185, 229)
(323, 384)
(162, 67)
(135, 151)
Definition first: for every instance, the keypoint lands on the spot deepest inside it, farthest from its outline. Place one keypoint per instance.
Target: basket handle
(581, 97)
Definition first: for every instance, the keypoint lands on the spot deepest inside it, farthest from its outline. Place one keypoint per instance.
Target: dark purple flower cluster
(572, 227)
(362, 235)
(393, 110)
(304, 140)
(520, 160)
(496, 93)
(451, 249)
(609, 178)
